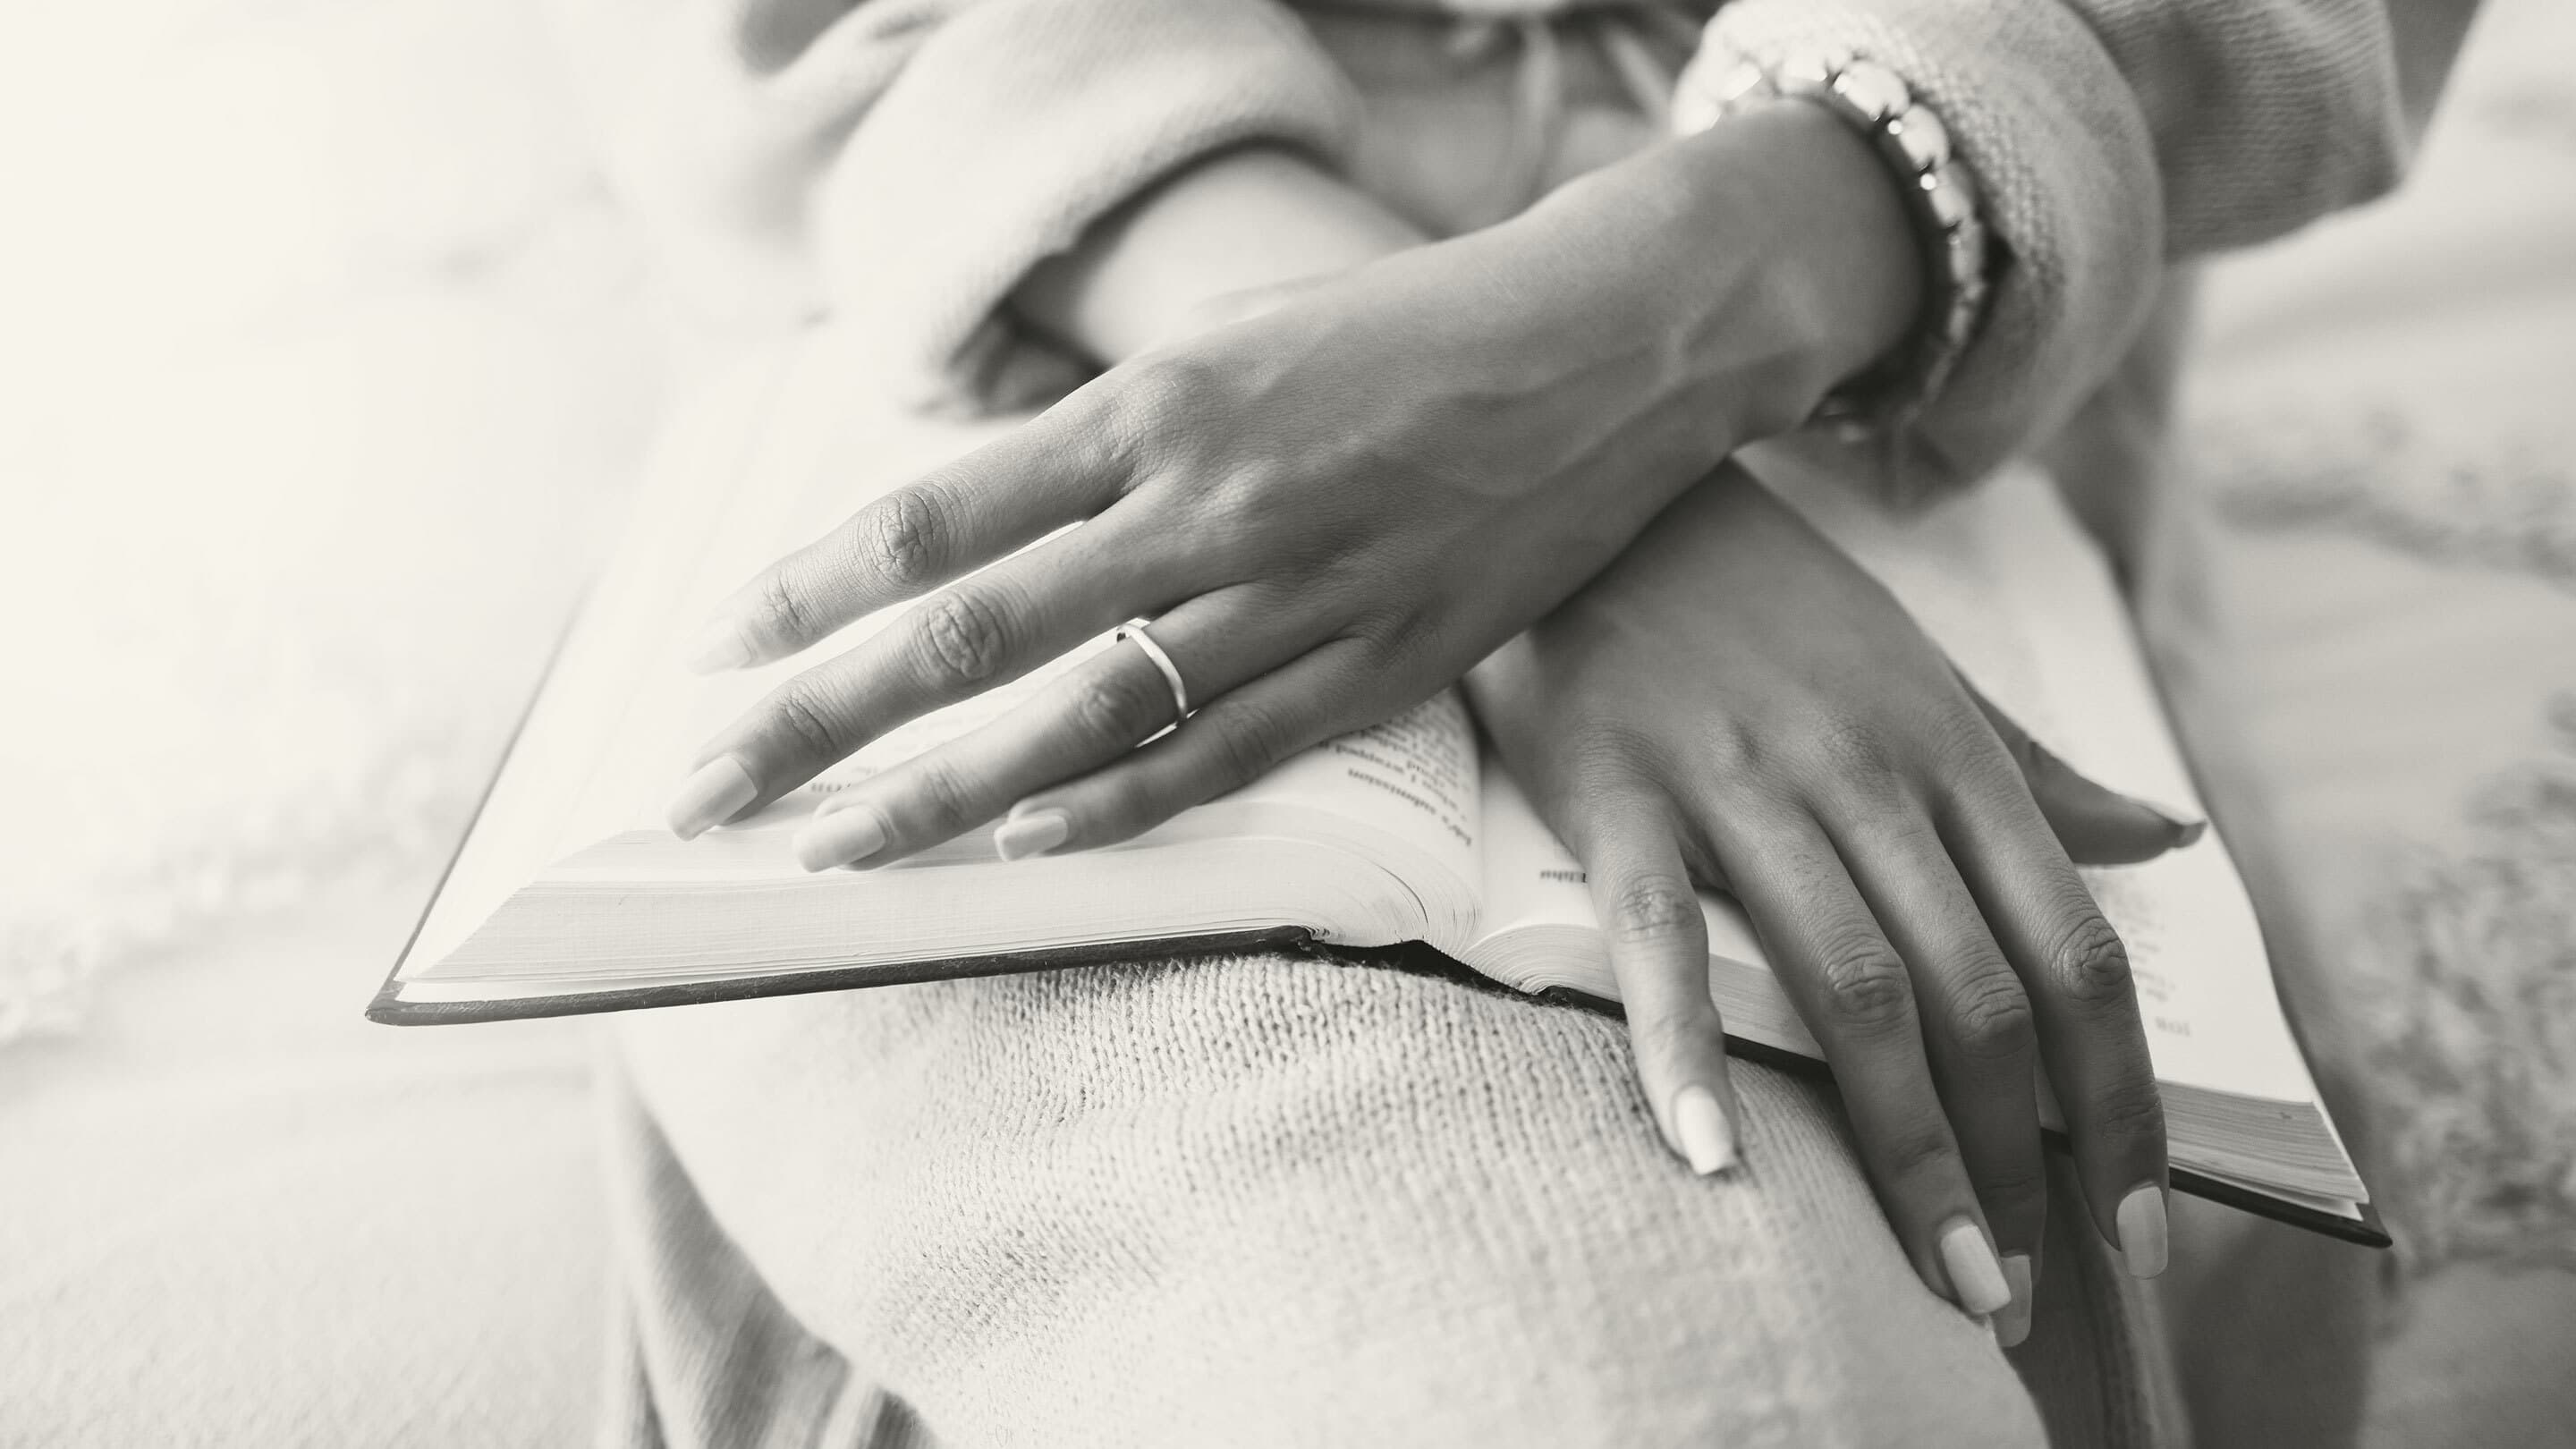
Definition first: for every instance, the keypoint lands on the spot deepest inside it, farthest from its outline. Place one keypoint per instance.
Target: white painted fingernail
(2142, 1230)
(2012, 1321)
(1974, 1274)
(718, 647)
(2187, 824)
(844, 835)
(712, 796)
(1035, 833)
(1708, 1143)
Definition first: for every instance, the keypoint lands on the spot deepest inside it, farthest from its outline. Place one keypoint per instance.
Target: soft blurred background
(325, 360)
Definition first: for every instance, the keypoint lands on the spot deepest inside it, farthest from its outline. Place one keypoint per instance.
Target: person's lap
(1275, 1200)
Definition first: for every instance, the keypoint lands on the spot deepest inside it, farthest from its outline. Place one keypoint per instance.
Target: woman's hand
(1734, 702)
(1329, 511)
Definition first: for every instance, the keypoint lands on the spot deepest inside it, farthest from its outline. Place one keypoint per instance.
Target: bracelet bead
(1936, 185)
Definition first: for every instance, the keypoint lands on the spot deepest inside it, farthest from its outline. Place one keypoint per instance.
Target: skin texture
(1734, 702)
(1339, 467)
(1335, 508)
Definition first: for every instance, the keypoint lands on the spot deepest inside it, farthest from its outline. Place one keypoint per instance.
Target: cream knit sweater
(902, 163)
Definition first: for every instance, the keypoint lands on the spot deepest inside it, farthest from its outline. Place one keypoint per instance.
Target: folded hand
(1329, 511)
(1736, 703)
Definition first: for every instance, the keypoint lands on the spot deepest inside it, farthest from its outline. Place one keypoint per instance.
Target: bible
(568, 894)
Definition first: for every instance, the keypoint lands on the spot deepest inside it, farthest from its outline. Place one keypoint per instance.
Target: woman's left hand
(1329, 511)
(1736, 703)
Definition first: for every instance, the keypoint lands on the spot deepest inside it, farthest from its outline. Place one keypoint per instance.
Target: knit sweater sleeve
(901, 164)
(2112, 137)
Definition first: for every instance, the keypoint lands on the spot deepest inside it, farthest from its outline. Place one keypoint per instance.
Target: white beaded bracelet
(1938, 189)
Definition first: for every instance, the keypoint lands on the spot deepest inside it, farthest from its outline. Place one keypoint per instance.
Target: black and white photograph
(1247, 724)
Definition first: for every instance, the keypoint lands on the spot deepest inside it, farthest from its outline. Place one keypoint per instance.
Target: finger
(1235, 740)
(1057, 468)
(974, 636)
(1851, 988)
(2097, 825)
(1102, 708)
(1977, 1028)
(1628, 839)
(2085, 1007)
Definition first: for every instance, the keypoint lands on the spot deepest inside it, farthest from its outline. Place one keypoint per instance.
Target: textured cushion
(2365, 604)
(2362, 602)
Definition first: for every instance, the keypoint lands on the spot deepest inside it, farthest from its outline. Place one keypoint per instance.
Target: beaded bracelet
(1938, 190)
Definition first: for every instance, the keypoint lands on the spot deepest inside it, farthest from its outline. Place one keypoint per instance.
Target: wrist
(1775, 254)
(1838, 285)
(1852, 273)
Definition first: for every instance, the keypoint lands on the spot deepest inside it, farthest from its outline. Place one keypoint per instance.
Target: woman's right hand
(1735, 702)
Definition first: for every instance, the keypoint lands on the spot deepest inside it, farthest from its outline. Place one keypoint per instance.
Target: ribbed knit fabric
(1272, 1201)
(2112, 137)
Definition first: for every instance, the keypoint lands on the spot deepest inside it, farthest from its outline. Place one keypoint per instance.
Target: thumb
(2096, 824)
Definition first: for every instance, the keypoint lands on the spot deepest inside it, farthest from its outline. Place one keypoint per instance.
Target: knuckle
(1152, 388)
(804, 717)
(1116, 707)
(901, 535)
(1920, 1148)
(1989, 1017)
(1132, 411)
(2130, 1108)
(778, 609)
(947, 799)
(1864, 983)
(1653, 908)
(963, 637)
(1852, 750)
(2016, 1186)
(2090, 965)
(1861, 782)
(1732, 749)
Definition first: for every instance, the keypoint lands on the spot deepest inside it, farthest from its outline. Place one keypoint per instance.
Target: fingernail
(2012, 1321)
(1974, 1274)
(1708, 1143)
(844, 835)
(2142, 1230)
(712, 796)
(1035, 833)
(719, 646)
(2188, 825)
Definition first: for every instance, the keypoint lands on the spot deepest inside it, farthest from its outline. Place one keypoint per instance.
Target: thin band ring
(1134, 629)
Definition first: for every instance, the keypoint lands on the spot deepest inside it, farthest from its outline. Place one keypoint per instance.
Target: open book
(569, 895)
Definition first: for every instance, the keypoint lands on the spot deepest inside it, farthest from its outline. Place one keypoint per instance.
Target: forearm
(1754, 267)
(1241, 222)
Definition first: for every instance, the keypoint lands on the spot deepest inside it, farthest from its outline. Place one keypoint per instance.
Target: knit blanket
(2380, 462)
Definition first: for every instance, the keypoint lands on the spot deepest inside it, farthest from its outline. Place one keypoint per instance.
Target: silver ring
(1135, 629)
